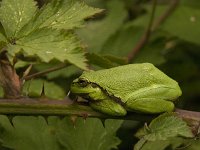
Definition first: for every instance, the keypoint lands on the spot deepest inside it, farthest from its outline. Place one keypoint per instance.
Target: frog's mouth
(85, 96)
(80, 98)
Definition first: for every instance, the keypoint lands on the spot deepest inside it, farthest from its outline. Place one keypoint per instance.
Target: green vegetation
(46, 44)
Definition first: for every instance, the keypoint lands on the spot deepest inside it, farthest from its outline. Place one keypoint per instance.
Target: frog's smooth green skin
(139, 88)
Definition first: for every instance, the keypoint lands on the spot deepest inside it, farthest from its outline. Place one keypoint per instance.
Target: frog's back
(120, 81)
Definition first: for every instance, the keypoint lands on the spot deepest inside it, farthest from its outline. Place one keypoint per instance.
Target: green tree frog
(140, 88)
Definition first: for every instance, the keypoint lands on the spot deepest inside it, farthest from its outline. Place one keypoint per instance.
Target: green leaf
(49, 44)
(21, 64)
(14, 14)
(191, 3)
(100, 61)
(87, 135)
(64, 73)
(63, 14)
(53, 91)
(105, 61)
(61, 73)
(31, 133)
(97, 33)
(126, 39)
(34, 88)
(172, 143)
(70, 15)
(27, 133)
(153, 53)
(168, 125)
(116, 59)
(164, 127)
(187, 26)
(39, 32)
(123, 41)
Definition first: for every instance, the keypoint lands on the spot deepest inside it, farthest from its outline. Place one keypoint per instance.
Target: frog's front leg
(155, 99)
(109, 107)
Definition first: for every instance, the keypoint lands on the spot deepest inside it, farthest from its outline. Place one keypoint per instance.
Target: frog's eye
(82, 83)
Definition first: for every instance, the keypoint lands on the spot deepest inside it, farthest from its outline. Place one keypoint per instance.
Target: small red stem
(44, 72)
(152, 27)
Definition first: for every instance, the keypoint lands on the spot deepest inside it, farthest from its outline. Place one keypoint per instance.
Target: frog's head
(83, 87)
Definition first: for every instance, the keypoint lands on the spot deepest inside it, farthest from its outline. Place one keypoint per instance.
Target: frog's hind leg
(109, 107)
(150, 105)
(153, 99)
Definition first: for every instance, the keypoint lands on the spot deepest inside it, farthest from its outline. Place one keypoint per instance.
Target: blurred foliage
(174, 47)
(55, 134)
(108, 39)
(163, 128)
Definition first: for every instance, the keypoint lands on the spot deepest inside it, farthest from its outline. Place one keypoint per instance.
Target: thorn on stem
(43, 91)
(27, 71)
(103, 122)
(85, 116)
(73, 118)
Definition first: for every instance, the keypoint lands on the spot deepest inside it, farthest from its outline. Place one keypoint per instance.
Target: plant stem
(165, 15)
(186, 114)
(152, 26)
(146, 35)
(192, 119)
(38, 74)
(9, 79)
(29, 106)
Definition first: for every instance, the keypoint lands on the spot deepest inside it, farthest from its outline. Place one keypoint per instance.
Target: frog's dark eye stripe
(94, 85)
(82, 82)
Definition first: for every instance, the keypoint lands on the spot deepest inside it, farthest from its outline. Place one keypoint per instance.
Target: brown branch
(152, 27)
(186, 114)
(192, 118)
(30, 106)
(9, 80)
(146, 35)
(173, 5)
(39, 74)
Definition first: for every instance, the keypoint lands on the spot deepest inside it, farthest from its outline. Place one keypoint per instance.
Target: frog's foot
(108, 107)
(150, 105)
